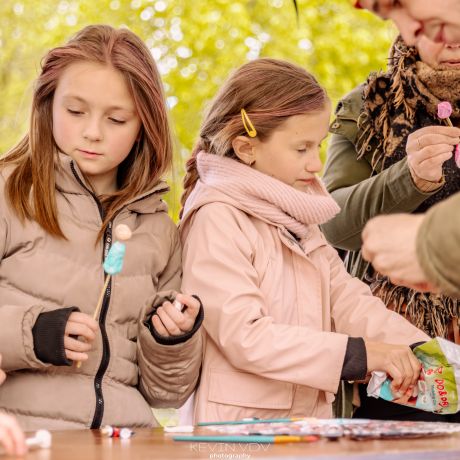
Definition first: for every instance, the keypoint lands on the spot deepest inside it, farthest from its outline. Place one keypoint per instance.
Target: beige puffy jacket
(128, 371)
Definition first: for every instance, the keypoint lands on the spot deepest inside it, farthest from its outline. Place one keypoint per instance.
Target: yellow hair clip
(247, 122)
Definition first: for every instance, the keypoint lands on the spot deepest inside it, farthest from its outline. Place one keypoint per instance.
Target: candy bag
(437, 389)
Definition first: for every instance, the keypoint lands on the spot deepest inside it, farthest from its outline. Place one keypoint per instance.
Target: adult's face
(439, 20)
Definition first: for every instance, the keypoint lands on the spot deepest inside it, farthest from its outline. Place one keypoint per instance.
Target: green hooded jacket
(361, 192)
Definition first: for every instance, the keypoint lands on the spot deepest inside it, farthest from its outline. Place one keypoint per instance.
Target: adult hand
(398, 362)
(169, 321)
(389, 243)
(84, 327)
(11, 436)
(428, 148)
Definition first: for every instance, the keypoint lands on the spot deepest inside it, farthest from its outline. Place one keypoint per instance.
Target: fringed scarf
(266, 196)
(397, 103)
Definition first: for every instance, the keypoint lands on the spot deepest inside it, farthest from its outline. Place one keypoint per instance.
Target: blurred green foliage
(195, 44)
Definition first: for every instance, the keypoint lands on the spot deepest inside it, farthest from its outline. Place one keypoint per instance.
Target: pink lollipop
(445, 111)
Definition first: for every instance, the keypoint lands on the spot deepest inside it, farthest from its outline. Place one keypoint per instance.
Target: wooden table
(153, 444)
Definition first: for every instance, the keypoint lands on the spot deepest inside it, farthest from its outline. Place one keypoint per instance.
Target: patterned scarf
(265, 196)
(397, 103)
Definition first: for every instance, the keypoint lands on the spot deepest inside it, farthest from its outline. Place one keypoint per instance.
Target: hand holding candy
(85, 328)
(168, 320)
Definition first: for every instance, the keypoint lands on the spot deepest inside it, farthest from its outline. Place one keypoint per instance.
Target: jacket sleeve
(356, 312)
(168, 373)
(221, 272)
(16, 321)
(349, 181)
(438, 243)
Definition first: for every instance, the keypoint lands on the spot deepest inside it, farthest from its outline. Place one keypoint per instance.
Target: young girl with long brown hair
(98, 144)
(284, 321)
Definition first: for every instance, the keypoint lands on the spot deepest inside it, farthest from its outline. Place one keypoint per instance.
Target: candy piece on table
(444, 110)
(126, 433)
(179, 429)
(41, 440)
(115, 432)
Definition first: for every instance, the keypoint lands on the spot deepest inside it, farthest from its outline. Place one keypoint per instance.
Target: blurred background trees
(195, 44)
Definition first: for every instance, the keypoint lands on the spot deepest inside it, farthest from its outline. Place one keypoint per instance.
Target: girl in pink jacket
(98, 144)
(284, 321)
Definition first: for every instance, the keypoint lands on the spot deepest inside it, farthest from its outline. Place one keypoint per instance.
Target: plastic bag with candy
(438, 386)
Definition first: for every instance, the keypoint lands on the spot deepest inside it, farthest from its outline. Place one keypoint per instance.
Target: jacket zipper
(99, 411)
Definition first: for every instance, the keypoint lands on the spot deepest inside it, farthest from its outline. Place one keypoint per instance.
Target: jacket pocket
(249, 390)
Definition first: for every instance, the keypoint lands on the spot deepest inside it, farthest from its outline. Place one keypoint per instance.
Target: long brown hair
(34, 156)
(270, 90)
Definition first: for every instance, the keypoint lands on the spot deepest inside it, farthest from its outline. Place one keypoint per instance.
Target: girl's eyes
(112, 119)
(304, 150)
(116, 121)
(74, 112)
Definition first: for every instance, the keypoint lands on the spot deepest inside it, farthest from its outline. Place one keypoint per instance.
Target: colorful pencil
(256, 420)
(261, 439)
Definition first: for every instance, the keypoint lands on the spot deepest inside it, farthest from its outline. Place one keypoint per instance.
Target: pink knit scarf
(266, 196)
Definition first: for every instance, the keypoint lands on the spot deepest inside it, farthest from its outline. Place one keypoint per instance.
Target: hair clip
(247, 122)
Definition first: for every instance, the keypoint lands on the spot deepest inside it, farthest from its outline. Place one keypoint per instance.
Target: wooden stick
(98, 306)
(101, 298)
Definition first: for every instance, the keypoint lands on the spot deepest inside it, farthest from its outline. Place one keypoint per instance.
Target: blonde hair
(34, 156)
(270, 91)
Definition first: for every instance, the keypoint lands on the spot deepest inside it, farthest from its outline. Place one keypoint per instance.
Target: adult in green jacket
(390, 153)
(416, 250)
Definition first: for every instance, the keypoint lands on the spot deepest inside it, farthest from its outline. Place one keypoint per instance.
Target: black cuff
(416, 344)
(355, 362)
(175, 339)
(48, 333)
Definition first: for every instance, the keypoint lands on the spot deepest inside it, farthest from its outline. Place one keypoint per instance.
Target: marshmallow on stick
(444, 112)
(113, 263)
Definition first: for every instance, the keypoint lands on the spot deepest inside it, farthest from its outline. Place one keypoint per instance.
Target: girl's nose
(92, 130)
(314, 165)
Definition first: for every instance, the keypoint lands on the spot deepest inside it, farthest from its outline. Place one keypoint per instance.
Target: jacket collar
(70, 180)
(202, 195)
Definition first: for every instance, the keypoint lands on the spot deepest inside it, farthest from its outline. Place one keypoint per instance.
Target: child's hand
(398, 362)
(168, 320)
(2, 374)
(11, 436)
(83, 326)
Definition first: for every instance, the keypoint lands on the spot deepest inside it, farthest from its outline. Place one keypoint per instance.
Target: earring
(250, 163)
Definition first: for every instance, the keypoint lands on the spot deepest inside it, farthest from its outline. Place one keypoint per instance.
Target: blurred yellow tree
(195, 44)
